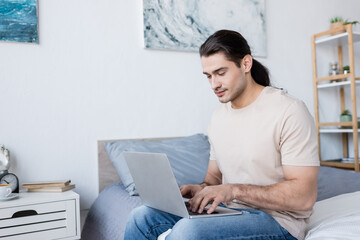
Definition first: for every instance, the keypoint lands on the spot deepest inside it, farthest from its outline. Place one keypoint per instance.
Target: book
(58, 183)
(52, 189)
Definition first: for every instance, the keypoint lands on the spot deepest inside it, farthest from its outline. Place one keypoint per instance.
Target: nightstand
(41, 216)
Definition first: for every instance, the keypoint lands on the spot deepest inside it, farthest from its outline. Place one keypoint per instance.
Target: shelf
(333, 77)
(331, 40)
(337, 130)
(347, 165)
(327, 124)
(339, 39)
(337, 84)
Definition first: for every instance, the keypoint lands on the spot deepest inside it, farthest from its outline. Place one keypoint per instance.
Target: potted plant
(346, 69)
(345, 116)
(337, 22)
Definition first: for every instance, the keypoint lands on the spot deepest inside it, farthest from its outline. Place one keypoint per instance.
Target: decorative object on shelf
(346, 116)
(19, 21)
(346, 69)
(334, 70)
(5, 176)
(336, 22)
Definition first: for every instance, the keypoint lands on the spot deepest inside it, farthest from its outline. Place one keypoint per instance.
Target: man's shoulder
(280, 95)
(280, 99)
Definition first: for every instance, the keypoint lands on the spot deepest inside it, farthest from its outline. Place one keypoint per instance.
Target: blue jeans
(148, 223)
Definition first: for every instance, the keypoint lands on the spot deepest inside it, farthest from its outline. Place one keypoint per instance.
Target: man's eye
(221, 73)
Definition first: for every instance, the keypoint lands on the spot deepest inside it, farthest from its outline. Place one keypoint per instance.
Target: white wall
(90, 79)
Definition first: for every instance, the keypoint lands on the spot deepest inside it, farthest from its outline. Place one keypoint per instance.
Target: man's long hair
(235, 47)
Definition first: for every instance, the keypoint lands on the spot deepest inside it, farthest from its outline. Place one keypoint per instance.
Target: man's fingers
(195, 202)
(185, 190)
(213, 207)
(204, 203)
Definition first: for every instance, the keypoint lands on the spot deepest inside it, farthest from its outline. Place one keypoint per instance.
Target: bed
(336, 212)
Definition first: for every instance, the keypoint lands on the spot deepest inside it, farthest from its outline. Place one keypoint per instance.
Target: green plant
(353, 22)
(346, 67)
(336, 19)
(340, 19)
(345, 116)
(345, 113)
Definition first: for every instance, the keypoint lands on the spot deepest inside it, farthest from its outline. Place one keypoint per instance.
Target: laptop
(157, 186)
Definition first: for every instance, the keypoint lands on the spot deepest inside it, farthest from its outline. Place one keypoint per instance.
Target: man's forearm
(210, 180)
(280, 196)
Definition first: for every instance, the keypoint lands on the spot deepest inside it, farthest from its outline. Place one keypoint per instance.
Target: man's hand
(189, 191)
(212, 179)
(215, 194)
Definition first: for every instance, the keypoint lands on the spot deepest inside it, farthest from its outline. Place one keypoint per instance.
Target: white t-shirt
(251, 144)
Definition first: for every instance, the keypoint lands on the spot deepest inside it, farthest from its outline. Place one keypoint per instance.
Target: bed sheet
(336, 218)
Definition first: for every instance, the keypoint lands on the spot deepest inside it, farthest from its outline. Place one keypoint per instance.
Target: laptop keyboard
(196, 213)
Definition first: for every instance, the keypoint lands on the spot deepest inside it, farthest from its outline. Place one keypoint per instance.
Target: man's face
(227, 80)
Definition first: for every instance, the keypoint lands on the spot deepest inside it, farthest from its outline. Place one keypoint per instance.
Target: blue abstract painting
(185, 24)
(19, 21)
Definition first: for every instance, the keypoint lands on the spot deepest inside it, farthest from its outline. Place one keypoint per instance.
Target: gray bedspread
(108, 215)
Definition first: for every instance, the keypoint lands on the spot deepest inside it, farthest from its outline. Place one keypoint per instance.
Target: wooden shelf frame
(345, 165)
(340, 124)
(318, 39)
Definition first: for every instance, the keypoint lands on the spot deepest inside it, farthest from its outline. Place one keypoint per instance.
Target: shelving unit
(347, 38)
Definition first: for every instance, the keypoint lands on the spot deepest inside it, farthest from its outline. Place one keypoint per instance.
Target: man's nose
(214, 83)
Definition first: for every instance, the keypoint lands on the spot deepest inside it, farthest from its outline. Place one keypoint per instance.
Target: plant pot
(345, 118)
(337, 25)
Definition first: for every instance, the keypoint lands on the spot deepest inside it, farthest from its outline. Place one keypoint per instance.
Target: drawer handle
(24, 213)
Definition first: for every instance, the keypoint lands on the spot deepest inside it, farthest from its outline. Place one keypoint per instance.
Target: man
(263, 157)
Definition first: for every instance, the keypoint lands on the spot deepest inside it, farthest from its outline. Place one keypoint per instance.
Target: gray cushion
(333, 182)
(188, 156)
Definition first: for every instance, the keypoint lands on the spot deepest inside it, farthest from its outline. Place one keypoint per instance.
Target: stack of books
(51, 186)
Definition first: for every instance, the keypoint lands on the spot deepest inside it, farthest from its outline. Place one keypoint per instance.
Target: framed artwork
(19, 21)
(185, 24)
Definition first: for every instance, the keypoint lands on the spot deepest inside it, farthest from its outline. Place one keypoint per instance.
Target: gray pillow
(334, 181)
(188, 156)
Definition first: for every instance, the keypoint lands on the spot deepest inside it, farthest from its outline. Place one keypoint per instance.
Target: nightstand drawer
(50, 220)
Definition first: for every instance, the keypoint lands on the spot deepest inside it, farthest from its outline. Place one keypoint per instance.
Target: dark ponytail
(235, 48)
(260, 73)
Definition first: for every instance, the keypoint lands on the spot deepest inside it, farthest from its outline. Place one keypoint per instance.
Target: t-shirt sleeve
(298, 141)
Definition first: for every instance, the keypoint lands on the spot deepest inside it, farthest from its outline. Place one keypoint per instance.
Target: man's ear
(246, 62)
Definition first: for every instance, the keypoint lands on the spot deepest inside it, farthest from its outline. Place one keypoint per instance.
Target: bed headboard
(107, 172)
